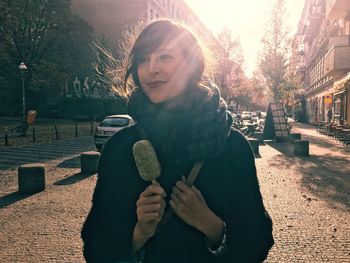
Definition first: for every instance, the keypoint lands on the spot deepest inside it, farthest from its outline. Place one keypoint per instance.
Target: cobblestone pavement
(308, 199)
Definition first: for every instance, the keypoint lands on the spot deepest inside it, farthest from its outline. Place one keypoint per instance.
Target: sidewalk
(308, 199)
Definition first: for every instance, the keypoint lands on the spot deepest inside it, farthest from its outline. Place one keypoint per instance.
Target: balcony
(337, 61)
(337, 9)
(339, 41)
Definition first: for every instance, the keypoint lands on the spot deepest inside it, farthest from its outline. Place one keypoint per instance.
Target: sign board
(328, 99)
(276, 124)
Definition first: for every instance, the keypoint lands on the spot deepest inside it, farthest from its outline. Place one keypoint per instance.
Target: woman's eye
(165, 57)
(143, 60)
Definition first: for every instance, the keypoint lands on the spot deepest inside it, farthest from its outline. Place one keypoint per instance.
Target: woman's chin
(157, 100)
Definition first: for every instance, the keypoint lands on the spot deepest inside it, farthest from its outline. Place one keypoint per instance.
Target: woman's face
(164, 73)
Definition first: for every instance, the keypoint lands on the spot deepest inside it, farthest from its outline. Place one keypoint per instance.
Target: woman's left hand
(189, 204)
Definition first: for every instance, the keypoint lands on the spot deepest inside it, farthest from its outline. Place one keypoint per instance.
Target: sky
(246, 19)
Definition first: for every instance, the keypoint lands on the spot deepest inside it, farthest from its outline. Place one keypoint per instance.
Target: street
(308, 199)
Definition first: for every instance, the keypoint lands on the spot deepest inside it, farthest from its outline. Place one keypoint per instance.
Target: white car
(109, 126)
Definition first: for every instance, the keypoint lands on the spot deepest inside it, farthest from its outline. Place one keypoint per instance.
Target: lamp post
(22, 67)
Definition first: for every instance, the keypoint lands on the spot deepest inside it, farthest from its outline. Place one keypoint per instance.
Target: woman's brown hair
(157, 33)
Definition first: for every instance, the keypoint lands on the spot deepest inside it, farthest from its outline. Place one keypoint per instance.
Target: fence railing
(10, 134)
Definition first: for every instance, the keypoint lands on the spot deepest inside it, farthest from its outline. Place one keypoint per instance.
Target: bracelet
(222, 248)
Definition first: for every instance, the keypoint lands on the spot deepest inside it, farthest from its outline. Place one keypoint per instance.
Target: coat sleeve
(107, 231)
(249, 227)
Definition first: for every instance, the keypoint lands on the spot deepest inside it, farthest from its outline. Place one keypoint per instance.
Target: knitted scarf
(193, 130)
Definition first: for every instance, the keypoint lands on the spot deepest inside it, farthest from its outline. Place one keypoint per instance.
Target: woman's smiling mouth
(156, 84)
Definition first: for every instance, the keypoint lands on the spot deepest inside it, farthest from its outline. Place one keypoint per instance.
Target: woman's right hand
(150, 209)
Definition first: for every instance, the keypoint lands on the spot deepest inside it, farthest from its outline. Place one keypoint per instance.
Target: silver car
(109, 126)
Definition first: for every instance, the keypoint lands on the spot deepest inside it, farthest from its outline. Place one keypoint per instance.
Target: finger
(179, 199)
(176, 204)
(162, 207)
(173, 205)
(186, 191)
(176, 190)
(146, 200)
(174, 197)
(152, 190)
(195, 189)
(149, 208)
(183, 187)
(199, 194)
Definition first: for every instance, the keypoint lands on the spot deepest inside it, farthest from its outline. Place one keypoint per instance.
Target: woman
(221, 217)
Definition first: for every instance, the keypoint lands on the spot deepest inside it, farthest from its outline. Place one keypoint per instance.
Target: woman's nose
(153, 65)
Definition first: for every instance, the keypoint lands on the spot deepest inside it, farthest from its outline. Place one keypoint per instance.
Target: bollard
(31, 178)
(294, 136)
(34, 138)
(76, 129)
(6, 139)
(254, 143)
(89, 162)
(301, 147)
(91, 127)
(56, 132)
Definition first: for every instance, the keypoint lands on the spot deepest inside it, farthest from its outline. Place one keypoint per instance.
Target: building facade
(322, 48)
(110, 18)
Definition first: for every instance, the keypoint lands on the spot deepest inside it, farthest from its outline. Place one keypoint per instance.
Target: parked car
(109, 126)
(246, 117)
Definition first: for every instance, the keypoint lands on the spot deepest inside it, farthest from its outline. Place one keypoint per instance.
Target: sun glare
(245, 18)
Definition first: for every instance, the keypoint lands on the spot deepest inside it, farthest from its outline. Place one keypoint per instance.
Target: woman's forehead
(171, 44)
(168, 46)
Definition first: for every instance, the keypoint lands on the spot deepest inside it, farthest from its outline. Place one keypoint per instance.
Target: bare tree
(229, 64)
(110, 69)
(273, 60)
(53, 43)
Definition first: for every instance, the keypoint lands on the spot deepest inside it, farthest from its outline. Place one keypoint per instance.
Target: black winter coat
(228, 183)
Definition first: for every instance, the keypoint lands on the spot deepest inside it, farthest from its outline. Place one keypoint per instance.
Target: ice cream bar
(146, 160)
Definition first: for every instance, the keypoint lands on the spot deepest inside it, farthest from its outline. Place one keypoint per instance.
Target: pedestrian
(329, 115)
(221, 217)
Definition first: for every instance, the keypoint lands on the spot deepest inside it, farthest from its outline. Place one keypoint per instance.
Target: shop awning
(339, 92)
(342, 83)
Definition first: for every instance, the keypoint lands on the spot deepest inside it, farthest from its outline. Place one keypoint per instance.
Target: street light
(22, 67)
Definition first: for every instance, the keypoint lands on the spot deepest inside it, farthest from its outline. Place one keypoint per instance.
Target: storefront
(327, 104)
(342, 100)
(318, 103)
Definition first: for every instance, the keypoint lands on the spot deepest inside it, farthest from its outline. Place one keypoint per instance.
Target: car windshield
(115, 122)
